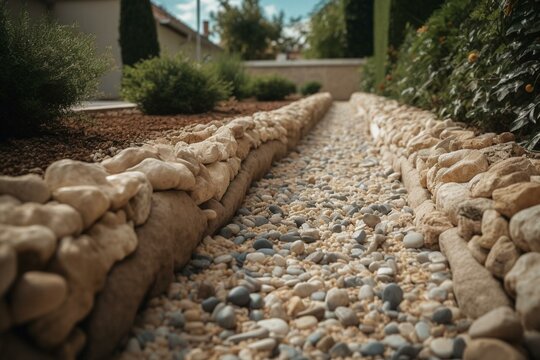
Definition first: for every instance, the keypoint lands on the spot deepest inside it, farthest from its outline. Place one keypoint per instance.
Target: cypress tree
(359, 25)
(138, 35)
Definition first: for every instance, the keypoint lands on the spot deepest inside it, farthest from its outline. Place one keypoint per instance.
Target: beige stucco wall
(101, 19)
(340, 77)
(171, 43)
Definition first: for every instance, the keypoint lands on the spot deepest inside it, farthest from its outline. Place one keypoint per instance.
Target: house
(101, 18)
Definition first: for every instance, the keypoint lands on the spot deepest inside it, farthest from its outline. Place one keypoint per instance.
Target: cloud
(270, 10)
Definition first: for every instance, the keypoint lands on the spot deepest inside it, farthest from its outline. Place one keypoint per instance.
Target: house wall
(101, 19)
(171, 43)
(340, 77)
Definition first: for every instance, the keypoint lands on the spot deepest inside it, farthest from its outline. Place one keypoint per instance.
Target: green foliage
(172, 85)
(359, 27)
(231, 70)
(310, 88)
(477, 62)
(328, 35)
(273, 87)
(138, 34)
(245, 31)
(45, 68)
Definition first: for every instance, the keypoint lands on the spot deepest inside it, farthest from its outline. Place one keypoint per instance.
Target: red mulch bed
(79, 136)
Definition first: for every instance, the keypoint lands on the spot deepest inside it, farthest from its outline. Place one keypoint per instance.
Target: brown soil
(79, 136)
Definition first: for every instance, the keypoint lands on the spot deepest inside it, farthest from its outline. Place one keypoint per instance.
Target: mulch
(79, 136)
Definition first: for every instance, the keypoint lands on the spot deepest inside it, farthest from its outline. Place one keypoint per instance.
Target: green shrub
(45, 68)
(172, 85)
(476, 62)
(310, 88)
(273, 87)
(230, 69)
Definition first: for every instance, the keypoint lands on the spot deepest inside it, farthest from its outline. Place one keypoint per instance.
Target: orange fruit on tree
(529, 88)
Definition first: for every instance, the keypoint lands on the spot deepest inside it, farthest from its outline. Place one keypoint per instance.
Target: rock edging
(477, 197)
(81, 249)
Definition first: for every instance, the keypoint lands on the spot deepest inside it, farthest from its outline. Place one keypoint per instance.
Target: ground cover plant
(311, 87)
(272, 87)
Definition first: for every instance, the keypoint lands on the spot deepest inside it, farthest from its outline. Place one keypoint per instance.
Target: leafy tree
(359, 27)
(244, 30)
(138, 35)
(328, 35)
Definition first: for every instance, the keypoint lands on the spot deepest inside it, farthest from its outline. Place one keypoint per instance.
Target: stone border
(82, 249)
(477, 197)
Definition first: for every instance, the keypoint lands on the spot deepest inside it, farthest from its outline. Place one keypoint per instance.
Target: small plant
(310, 88)
(45, 69)
(172, 85)
(273, 87)
(230, 69)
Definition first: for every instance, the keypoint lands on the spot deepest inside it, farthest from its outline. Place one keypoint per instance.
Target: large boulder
(523, 282)
(491, 349)
(525, 229)
(511, 199)
(500, 323)
(26, 188)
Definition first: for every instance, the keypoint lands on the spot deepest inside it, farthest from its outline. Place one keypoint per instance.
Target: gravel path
(322, 261)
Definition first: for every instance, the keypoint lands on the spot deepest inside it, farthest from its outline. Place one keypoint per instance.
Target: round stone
(297, 247)
(239, 296)
(336, 297)
(346, 316)
(371, 220)
(442, 316)
(304, 289)
(305, 322)
(365, 292)
(392, 294)
(340, 350)
(442, 347)
(413, 240)
(256, 301)
(422, 330)
(226, 318)
(262, 244)
(275, 325)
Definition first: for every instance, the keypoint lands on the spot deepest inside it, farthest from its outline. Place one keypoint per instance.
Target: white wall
(101, 19)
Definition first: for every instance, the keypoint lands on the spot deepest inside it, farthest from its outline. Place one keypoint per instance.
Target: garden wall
(82, 248)
(339, 77)
(477, 197)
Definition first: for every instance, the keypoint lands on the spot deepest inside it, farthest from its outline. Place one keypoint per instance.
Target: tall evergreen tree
(359, 27)
(138, 35)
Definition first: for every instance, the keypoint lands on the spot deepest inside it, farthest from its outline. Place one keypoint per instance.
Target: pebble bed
(321, 261)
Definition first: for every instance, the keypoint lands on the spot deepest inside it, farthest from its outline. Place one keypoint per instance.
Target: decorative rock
(394, 341)
(340, 350)
(501, 323)
(326, 343)
(26, 188)
(297, 247)
(276, 327)
(336, 297)
(226, 318)
(135, 186)
(305, 322)
(442, 347)
(372, 348)
(502, 174)
(88, 200)
(392, 294)
(32, 244)
(346, 316)
(165, 176)
(239, 296)
(304, 290)
(514, 198)
(422, 330)
(464, 170)
(493, 227)
(262, 244)
(263, 345)
(491, 349)
(365, 292)
(8, 266)
(371, 220)
(128, 158)
(413, 240)
(502, 257)
(525, 229)
(36, 294)
(478, 252)
(442, 316)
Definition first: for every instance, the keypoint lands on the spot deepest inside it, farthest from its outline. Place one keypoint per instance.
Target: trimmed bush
(273, 87)
(231, 70)
(45, 69)
(172, 85)
(310, 88)
(138, 34)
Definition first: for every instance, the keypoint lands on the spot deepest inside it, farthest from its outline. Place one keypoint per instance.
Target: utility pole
(199, 30)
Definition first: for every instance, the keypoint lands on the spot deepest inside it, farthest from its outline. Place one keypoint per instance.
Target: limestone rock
(184, 155)
(465, 169)
(88, 200)
(34, 244)
(108, 241)
(511, 199)
(478, 252)
(523, 282)
(26, 188)
(525, 229)
(491, 349)
(219, 175)
(421, 141)
(502, 257)
(433, 224)
(165, 175)
(62, 219)
(448, 159)
(133, 182)
(499, 152)
(450, 197)
(36, 294)
(128, 158)
(476, 291)
(503, 174)
(205, 189)
(500, 323)
(66, 172)
(207, 152)
(493, 227)
(8, 267)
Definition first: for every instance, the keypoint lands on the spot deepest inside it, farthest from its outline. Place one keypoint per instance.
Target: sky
(186, 10)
